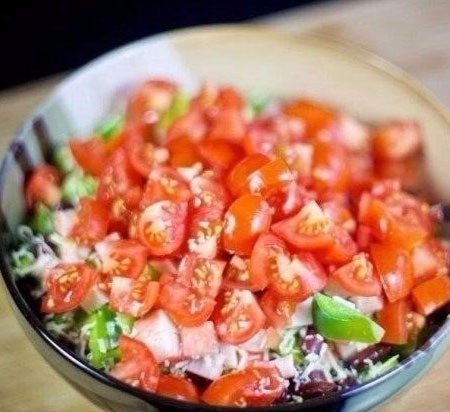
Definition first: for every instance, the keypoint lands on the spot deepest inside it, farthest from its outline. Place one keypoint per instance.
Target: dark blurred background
(38, 38)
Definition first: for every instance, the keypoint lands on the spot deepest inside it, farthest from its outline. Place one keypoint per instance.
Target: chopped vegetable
(63, 159)
(77, 184)
(177, 108)
(42, 220)
(379, 368)
(110, 126)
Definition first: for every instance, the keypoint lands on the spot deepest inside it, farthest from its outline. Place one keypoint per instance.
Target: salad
(235, 250)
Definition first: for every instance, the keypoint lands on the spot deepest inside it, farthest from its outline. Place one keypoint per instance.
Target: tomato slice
(43, 186)
(134, 297)
(238, 176)
(155, 95)
(397, 140)
(316, 116)
(137, 366)
(91, 222)
(174, 386)
(431, 294)
(309, 229)
(185, 306)
(91, 154)
(254, 386)
(67, 285)
(124, 257)
(247, 217)
(208, 192)
(165, 183)
(204, 276)
(238, 316)
(393, 318)
(277, 310)
(239, 276)
(358, 277)
(393, 265)
(161, 227)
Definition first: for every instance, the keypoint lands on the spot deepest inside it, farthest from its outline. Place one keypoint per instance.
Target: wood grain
(412, 33)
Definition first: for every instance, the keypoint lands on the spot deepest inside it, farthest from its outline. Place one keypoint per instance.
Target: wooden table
(414, 34)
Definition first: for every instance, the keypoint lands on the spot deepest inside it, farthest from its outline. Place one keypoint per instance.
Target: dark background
(38, 38)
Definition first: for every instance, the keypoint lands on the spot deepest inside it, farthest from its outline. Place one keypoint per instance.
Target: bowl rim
(355, 53)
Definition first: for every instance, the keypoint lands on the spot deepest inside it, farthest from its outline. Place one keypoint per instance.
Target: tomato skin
(247, 217)
(67, 285)
(91, 222)
(138, 366)
(357, 277)
(177, 387)
(429, 259)
(308, 230)
(237, 316)
(277, 310)
(43, 186)
(393, 319)
(91, 154)
(241, 388)
(341, 251)
(431, 294)
(393, 265)
(161, 227)
(219, 154)
(183, 152)
(125, 257)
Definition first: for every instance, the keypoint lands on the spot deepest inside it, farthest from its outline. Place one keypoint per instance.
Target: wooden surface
(414, 34)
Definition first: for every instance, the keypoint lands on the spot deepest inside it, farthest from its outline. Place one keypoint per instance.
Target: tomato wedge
(393, 318)
(90, 154)
(43, 186)
(137, 366)
(309, 229)
(393, 265)
(238, 316)
(67, 285)
(161, 227)
(208, 192)
(238, 176)
(257, 385)
(358, 277)
(177, 387)
(247, 217)
(220, 155)
(277, 310)
(239, 276)
(431, 294)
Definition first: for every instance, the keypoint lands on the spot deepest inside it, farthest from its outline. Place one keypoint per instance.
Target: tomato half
(358, 277)
(137, 366)
(90, 154)
(247, 217)
(161, 227)
(309, 229)
(91, 222)
(43, 186)
(67, 285)
(177, 387)
(277, 309)
(393, 265)
(124, 257)
(254, 386)
(238, 316)
(431, 294)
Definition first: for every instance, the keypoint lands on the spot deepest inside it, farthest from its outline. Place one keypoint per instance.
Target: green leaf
(42, 220)
(78, 184)
(335, 320)
(109, 127)
(177, 108)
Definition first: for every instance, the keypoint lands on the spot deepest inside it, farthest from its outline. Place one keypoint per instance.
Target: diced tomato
(91, 154)
(227, 124)
(219, 154)
(193, 125)
(247, 217)
(316, 116)
(278, 310)
(183, 152)
(431, 294)
(137, 366)
(342, 249)
(339, 213)
(257, 385)
(124, 257)
(161, 227)
(393, 265)
(164, 183)
(428, 259)
(91, 222)
(142, 158)
(199, 340)
(133, 296)
(239, 276)
(177, 387)
(43, 186)
(358, 277)
(309, 229)
(185, 306)
(397, 140)
(393, 318)
(238, 316)
(209, 192)
(229, 96)
(67, 285)
(204, 276)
